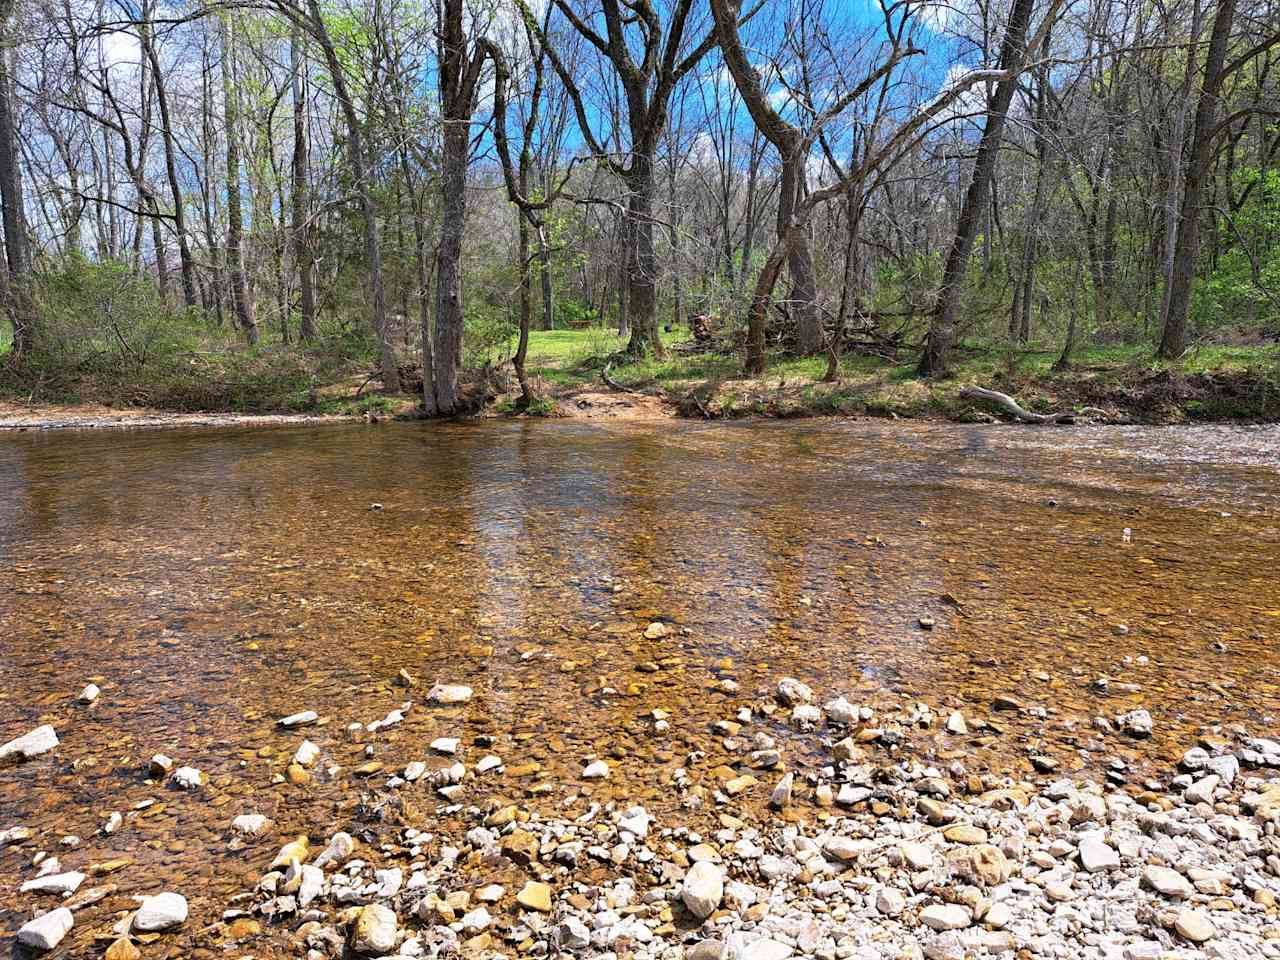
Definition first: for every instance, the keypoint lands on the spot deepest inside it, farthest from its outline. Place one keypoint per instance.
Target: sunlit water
(211, 582)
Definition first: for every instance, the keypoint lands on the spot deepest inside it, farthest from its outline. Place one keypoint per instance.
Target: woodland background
(240, 206)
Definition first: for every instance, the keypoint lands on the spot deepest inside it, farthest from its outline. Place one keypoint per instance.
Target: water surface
(213, 581)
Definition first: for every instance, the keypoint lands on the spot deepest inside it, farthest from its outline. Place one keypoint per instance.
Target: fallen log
(1012, 407)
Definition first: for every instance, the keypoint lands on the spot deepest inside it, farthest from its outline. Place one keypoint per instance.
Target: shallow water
(213, 581)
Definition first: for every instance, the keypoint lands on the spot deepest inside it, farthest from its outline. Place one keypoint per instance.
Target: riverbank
(1117, 385)
(568, 371)
(837, 841)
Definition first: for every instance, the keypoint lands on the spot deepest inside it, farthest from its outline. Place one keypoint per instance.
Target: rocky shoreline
(870, 855)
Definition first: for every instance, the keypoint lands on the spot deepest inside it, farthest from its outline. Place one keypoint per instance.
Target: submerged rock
(599, 770)
(251, 824)
(792, 692)
(54, 883)
(162, 912)
(303, 719)
(38, 741)
(47, 930)
(448, 694)
(89, 694)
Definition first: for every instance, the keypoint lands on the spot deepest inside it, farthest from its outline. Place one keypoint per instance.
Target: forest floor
(1117, 384)
(1122, 384)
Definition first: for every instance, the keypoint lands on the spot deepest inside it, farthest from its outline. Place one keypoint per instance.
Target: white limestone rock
(47, 930)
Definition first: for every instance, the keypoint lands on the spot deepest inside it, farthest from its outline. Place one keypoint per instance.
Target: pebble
(1096, 855)
(1202, 790)
(598, 770)
(188, 778)
(535, 896)
(303, 719)
(251, 824)
(1136, 723)
(781, 796)
(306, 754)
(89, 694)
(1194, 925)
(946, 916)
(375, 931)
(1168, 882)
(703, 889)
(890, 901)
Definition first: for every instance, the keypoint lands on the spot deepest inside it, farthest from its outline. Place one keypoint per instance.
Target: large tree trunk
(459, 74)
(241, 304)
(642, 273)
(804, 281)
(450, 317)
(301, 246)
(942, 328)
(1173, 341)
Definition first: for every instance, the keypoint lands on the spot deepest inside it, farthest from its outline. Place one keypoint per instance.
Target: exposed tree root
(1012, 407)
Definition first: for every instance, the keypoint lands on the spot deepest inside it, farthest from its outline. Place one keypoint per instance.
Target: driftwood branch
(1011, 406)
(614, 384)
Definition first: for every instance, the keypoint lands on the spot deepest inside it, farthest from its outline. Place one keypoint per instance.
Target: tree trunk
(942, 329)
(526, 300)
(642, 276)
(242, 306)
(186, 261)
(544, 269)
(1173, 342)
(449, 304)
(1176, 146)
(301, 244)
(758, 314)
(804, 282)
(361, 173)
(20, 306)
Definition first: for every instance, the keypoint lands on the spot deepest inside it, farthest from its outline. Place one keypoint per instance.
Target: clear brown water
(214, 581)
